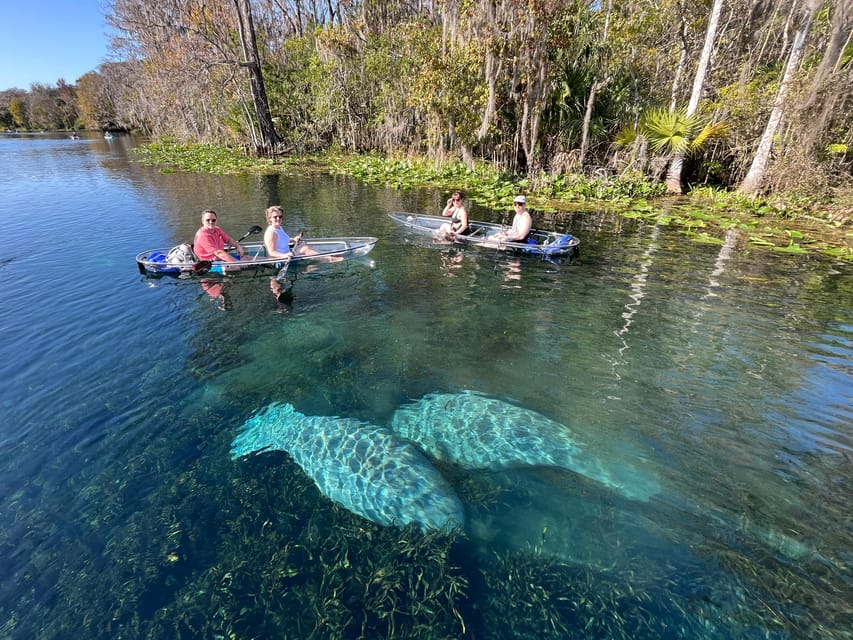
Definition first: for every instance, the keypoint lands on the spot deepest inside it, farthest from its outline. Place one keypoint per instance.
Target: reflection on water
(723, 374)
(452, 262)
(511, 269)
(215, 288)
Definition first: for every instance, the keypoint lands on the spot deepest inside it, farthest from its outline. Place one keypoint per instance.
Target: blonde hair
(271, 210)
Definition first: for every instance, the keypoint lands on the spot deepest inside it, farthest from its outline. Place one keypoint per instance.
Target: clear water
(722, 372)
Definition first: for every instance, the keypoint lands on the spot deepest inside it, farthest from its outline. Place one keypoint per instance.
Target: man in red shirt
(210, 240)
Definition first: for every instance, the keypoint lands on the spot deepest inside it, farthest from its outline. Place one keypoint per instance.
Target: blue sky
(44, 40)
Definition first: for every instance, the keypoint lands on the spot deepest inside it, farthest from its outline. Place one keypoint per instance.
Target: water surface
(720, 373)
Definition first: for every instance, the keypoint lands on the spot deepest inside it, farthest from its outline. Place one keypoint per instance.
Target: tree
(190, 82)
(526, 86)
(18, 109)
(676, 163)
(7, 121)
(598, 83)
(248, 41)
(41, 107)
(672, 132)
(751, 184)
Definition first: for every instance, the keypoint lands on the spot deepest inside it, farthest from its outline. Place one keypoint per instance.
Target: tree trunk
(269, 137)
(587, 118)
(682, 61)
(597, 85)
(673, 176)
(828, 88)
(492, 72)
(755, 176)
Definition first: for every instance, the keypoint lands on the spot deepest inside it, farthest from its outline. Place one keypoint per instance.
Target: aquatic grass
(253, 550)
(328, 575)
(201, 158)
(482, 183)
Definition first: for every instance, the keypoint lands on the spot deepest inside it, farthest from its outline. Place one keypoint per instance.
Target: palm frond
(626, 136)
(710, 131)
(673, 131)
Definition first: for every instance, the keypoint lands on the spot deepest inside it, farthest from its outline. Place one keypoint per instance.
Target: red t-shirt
(207, 242)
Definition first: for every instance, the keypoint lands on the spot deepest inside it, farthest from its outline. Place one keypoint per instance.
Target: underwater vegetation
(177, 541)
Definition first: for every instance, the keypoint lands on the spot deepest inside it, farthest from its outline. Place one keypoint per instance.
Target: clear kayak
(481, 234)
(168, 261)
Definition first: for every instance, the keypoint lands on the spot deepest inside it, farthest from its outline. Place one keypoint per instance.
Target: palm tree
(673, 176)
(673, 134)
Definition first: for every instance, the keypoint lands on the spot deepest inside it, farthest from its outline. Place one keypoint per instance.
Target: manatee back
(476, 431)
(360, 466)
(384, 479)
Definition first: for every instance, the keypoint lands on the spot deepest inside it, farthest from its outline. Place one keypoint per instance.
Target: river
(717, 378)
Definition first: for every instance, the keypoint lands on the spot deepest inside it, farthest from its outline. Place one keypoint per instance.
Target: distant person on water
(522, 223)
(455, 210)
(210, 240)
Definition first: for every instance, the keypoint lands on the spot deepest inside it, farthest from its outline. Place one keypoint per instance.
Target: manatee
(362, 467)
(475, 431)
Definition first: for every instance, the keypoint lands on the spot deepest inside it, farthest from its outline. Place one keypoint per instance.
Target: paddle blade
(255, 229)
(202, 266)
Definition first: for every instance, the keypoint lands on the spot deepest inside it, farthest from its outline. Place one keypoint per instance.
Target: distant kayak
(481, 234)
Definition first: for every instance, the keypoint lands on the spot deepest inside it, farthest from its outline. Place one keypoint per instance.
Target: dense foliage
(532, 88)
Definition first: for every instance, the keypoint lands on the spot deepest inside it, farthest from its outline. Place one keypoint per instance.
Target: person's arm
(505, 234)
(221, 253)
(226, 239)
(448, 210)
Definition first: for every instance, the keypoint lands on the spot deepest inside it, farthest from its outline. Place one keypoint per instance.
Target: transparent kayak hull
(155, 262)
(481, 234)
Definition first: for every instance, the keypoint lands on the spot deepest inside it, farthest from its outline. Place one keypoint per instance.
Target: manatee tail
(268, 429)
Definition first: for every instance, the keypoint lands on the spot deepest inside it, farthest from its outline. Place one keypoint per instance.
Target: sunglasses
(210, 219)
(277, 217)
